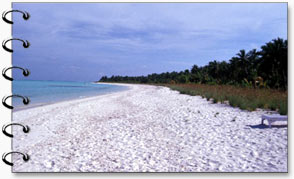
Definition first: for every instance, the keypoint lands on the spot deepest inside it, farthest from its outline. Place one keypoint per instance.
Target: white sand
(147, 128)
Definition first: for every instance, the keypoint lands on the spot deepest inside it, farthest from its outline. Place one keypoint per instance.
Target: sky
(84, 41)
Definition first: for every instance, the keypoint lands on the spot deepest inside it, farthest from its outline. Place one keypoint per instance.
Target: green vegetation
(244, 98)
(256, 79)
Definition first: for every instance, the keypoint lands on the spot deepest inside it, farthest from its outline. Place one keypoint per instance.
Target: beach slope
(147, 128)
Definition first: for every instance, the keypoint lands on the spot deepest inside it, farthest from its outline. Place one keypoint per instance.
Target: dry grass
(244, 98)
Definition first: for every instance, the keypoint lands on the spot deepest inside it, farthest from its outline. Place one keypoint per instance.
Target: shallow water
(45, 92)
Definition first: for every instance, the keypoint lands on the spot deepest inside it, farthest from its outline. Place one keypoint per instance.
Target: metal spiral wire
(25, 129)
(25, 72)
(25, 99)
(25, 157)
(25, 16)
(25, 44)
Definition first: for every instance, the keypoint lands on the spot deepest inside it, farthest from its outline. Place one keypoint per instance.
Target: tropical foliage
(264, 68)
(249, 80)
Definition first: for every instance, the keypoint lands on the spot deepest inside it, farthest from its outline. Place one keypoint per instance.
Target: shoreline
(147, 129)
(16, 109)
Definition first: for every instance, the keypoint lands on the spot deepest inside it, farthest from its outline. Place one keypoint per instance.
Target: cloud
(137, 38)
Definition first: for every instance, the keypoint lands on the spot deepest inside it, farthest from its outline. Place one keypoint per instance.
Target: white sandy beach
(147, 128)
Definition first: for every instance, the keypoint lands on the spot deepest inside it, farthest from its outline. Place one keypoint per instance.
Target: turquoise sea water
(45, 92)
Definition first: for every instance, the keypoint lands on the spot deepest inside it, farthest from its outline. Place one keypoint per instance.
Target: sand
(147, 129)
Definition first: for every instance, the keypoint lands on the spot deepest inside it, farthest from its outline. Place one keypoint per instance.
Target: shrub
(242, 97)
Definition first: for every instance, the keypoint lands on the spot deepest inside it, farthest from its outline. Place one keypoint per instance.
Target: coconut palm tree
(274, 62)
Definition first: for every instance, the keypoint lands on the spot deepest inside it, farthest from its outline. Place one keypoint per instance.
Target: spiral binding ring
(25, 101)
(25, 129)
(25, 44)
(25, 16)
(25, 72)
(25, 157)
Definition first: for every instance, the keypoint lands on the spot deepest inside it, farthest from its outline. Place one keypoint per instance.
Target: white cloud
(121, 32)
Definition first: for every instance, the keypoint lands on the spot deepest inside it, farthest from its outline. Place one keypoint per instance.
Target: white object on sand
(273, 118)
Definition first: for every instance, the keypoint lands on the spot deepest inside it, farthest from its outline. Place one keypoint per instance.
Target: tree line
(264, 68)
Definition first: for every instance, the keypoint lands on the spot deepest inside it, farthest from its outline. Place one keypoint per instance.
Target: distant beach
(147, 128)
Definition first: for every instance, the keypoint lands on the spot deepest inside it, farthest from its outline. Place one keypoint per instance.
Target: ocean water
(46, 92)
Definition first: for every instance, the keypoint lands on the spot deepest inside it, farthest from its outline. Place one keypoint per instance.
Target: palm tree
(274, 62)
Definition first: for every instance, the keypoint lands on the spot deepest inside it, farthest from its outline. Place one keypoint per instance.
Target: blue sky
(84, 41)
